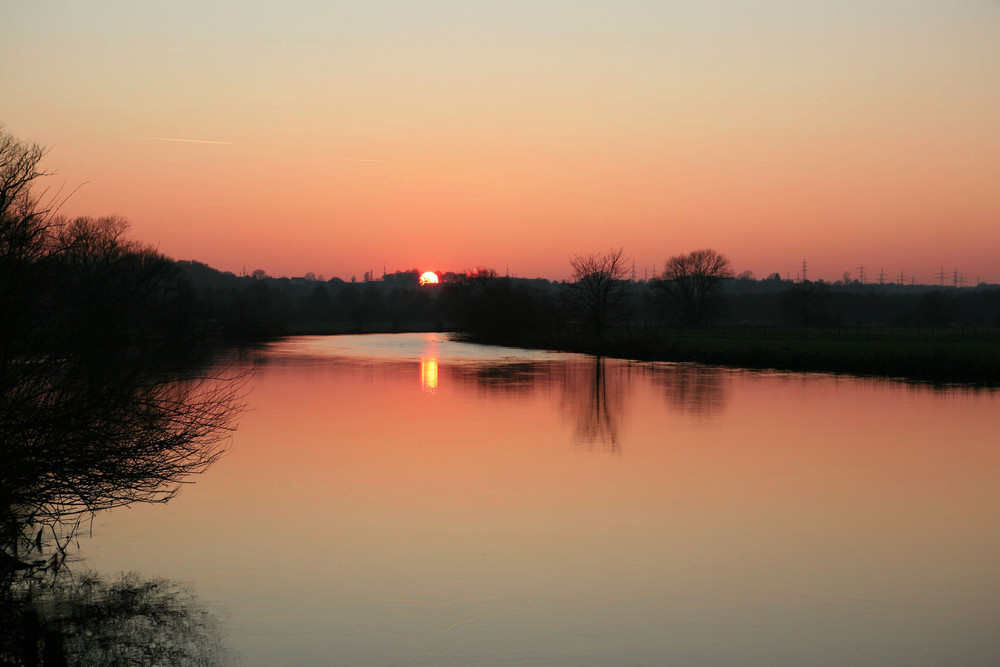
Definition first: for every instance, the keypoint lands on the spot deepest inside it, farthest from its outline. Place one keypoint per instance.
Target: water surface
(410, 500)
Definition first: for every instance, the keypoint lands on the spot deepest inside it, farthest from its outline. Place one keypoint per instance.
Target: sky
(338, 137)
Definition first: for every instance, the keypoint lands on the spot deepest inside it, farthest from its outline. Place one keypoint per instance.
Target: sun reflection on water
(429, 374)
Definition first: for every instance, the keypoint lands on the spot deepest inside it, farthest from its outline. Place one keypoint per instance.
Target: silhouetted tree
(599, 290)
(807, 303)
(492, 309)
(318, 305)
(24, 225)
(935, 309)
(692, 284)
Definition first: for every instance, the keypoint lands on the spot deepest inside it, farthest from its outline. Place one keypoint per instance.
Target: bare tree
(23, 229)
(19, 168)
(693, 284)
(599, 290)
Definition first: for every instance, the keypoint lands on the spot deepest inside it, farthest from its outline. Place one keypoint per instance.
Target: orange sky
(445, 135)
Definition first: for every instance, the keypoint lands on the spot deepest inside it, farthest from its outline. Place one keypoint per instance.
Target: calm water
(406, 500)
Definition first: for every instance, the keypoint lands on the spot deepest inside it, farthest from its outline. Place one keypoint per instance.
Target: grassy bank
(940, 355)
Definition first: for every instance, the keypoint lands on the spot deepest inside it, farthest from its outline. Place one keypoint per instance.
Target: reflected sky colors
(514, 507)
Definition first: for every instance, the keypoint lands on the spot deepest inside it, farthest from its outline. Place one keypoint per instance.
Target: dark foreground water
(406, 500)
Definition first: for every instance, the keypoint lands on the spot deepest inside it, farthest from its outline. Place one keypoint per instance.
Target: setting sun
(428, 278)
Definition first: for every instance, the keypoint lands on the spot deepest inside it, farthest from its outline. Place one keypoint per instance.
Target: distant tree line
(695, 290)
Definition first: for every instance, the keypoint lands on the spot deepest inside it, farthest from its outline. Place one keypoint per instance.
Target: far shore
(940, 356)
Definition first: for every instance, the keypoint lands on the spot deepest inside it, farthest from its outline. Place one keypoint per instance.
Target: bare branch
(599, 289)
(692, 284)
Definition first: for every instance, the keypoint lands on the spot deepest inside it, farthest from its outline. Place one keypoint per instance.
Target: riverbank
(935, 355)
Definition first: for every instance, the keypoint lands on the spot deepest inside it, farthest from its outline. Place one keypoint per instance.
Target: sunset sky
(343, 136)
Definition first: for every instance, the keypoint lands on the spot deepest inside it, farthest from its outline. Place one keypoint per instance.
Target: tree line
(695, 290)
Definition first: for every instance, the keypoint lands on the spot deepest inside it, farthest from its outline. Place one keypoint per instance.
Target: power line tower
(940, 276)
(902, 281)
(881, 277)
(804, 279)
(861, 269)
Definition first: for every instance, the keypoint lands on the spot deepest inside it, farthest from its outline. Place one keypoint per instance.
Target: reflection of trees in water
(87, 620)
(74, 443)
(522, 377)
(699, 390)
(591, 393)
(77, 438)
(594, 395)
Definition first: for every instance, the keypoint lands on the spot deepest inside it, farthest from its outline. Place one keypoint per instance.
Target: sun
(429, 278)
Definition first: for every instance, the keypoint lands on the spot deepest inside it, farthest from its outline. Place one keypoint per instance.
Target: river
(408, 500)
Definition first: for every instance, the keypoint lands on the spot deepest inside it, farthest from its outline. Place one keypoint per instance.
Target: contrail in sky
(187, 141)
